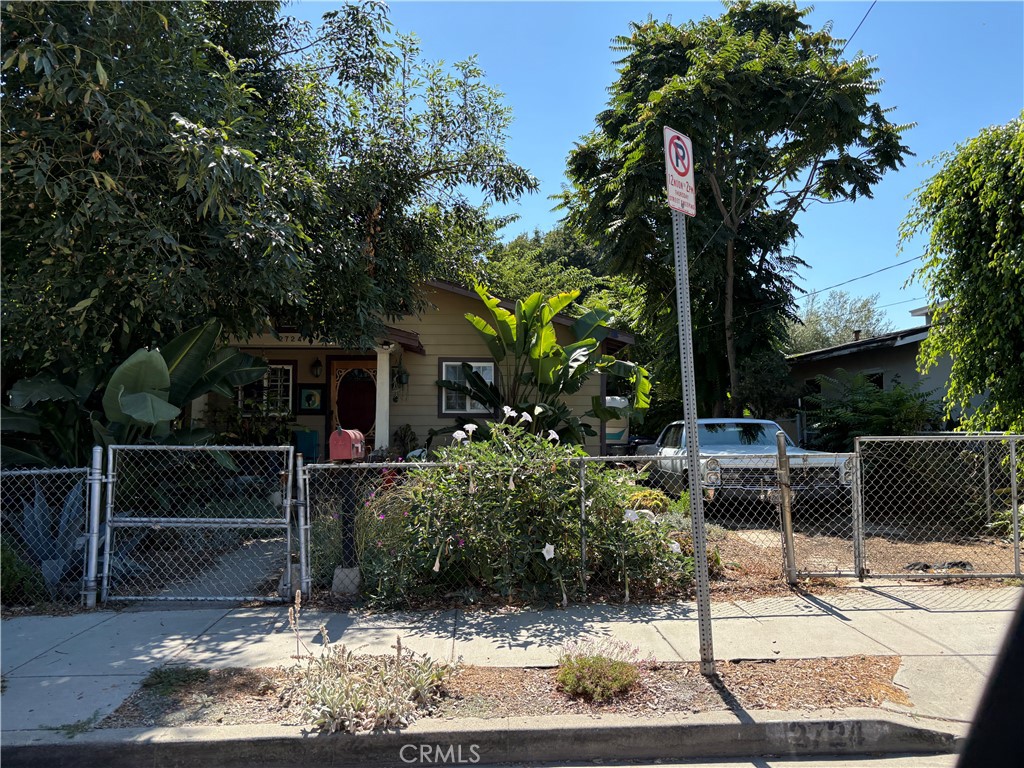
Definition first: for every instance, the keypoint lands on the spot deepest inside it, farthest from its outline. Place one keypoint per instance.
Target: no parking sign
(682, 196)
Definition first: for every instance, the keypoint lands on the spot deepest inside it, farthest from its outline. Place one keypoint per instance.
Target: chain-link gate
(198, 523)
(820, 514)
(44, 534)
(942, 506)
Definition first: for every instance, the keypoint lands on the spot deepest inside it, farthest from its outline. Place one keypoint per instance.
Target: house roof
(616, 337)
(408, 340)
(885, 341)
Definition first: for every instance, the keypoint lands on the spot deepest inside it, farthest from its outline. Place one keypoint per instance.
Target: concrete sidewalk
(77, 669)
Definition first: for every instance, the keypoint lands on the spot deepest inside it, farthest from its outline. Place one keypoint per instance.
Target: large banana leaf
(227, 368)
(489, 335)
(145, 372)
(186, 358)
(40, 388)
(504, 321)
(592, 325)
(12, 420)
(526, 309)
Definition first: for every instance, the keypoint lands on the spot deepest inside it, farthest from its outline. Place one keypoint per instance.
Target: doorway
(353, 393)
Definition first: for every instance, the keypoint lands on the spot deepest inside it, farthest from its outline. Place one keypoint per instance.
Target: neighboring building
(326, 386)
(883, 359)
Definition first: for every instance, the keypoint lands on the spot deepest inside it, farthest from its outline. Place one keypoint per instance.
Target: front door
(354, 396)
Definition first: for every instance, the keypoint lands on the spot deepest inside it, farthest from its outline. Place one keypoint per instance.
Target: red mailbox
(347, 445)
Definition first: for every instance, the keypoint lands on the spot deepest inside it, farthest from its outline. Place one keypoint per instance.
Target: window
(272, 395)
(876, 378)
(456, 402)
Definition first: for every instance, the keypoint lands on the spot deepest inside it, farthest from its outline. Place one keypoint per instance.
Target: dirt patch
(252, 696)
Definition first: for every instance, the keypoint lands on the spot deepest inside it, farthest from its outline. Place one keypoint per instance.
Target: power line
(855, 279)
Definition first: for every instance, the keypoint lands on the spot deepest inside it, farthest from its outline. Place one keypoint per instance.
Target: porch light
(317, 368)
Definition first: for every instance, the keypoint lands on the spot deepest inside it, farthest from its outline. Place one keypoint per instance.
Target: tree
(850, 406)
(169, 163)
(778, 119)
(832, 320)
(536, 372)
(549, 263)
(135, 198)
(973, 272)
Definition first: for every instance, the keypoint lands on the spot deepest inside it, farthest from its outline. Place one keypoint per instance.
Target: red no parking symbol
(678, 155)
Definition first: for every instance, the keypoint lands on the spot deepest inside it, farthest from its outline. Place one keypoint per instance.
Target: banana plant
(536, 373)
(54, 420)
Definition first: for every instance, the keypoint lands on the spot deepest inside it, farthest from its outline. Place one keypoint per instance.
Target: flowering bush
(503, 516)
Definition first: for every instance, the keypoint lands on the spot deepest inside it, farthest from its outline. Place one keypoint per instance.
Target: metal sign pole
(700, 549)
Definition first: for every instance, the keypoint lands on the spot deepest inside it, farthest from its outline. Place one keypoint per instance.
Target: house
(379, 391)
(884, 360)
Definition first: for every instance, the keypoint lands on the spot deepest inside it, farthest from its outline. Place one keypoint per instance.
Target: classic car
(739, 461)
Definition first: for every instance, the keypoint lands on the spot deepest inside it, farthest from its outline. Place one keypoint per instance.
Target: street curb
(467, 742)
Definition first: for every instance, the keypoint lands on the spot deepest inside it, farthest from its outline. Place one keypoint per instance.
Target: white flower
(470, 428)
(631, 516)
(459, 435)
(648, 514)
(548, 551)
(509, 413)
(524, 416)
(552, 436)
(674, 546)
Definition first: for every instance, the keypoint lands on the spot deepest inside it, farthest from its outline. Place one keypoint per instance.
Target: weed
(169, 680)
(598, 670)
(79, 726)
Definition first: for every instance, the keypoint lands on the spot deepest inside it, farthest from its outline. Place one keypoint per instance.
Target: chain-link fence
(43, 537)
(822, 495)
(198, 522)
(580, 529)
(941, 506)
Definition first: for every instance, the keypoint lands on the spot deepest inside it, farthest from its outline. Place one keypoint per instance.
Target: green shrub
(503, 517)
(650, 498)
(598, 670)
(20, 582)
(340, 691)
(1002, 522)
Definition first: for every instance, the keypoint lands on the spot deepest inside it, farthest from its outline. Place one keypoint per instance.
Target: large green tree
(168, 163)
(973, 272)
(778, 118)
(135, 196)
(831, 319)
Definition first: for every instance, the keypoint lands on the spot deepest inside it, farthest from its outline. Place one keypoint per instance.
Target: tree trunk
(735, 406)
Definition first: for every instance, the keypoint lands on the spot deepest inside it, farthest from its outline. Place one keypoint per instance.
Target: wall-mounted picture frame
(311, 399)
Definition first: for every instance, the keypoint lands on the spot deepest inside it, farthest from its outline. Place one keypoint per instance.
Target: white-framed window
(456, 402)
(273, 395)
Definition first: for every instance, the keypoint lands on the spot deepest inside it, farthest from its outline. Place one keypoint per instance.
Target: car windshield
(735, 433)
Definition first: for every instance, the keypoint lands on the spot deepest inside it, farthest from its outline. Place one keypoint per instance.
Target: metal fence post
(583, 524)
(108, 481)
(786, 503)
(301, 519)
(95, 483)
(857, 512)
(1014, 506)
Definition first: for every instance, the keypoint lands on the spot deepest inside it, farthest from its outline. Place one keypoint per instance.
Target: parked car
(739, 461)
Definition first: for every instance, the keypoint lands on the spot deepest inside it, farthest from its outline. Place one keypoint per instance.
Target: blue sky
(952, 68)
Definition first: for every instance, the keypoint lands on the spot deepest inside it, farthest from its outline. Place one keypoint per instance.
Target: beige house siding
(444, 334)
